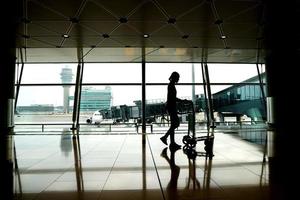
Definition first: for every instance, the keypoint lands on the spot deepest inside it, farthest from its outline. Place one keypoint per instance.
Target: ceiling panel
(116, 24)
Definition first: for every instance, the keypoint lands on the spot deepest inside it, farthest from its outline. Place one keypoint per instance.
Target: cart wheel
(185, 149)
(192, 154)
(192, 143)
(185, 139)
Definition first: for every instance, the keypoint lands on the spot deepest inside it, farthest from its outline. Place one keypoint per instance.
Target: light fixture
(105, 35)
(123, 20)
(171, 20)
(74, 20)
(218, 21)
(65, 36)
(146, 35)
(223, 37)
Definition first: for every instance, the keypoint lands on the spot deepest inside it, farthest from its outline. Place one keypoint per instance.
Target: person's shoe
(164, 140)
(175, 146)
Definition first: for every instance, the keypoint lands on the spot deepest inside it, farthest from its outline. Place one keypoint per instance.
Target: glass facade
(47, 92)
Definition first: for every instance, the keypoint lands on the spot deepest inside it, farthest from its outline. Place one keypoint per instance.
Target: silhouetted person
(172, 111)
(175, 170)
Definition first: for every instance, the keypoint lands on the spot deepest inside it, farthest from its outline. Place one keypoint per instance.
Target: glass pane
(159, 92)
(110, 109)
(160, 72)
(41, 105)
(49, 73)
(239, 103)
(155, 107)
(231, 73)
(112, 73)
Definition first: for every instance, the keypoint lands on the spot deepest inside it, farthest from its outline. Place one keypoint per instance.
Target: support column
(143, 94)
(281, 64)
(7, 79)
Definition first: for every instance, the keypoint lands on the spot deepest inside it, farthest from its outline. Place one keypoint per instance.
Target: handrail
(135, 125)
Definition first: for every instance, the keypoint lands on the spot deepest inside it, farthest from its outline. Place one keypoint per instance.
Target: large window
(112, 73)
(190, 87)
(114, 91)
(44, 96)
(237, 95)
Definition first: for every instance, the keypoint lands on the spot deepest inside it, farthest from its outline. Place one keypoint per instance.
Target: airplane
(96, 118)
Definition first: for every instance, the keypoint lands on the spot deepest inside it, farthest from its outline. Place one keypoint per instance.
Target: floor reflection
(78, 165)
(66, 142)
(122, 167)
(171, 188)
(198, 185)
(17, 182)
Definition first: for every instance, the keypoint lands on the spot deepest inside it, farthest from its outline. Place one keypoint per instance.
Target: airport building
(237, 62)
(93, 99)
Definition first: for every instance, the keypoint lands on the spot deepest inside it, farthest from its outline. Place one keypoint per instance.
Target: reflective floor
(112, 167)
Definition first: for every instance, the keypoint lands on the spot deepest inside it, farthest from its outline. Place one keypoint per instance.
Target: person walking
(172, 111)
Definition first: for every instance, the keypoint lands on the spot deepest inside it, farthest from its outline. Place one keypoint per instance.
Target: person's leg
(172, 134)
(174, 125)
(164, 138)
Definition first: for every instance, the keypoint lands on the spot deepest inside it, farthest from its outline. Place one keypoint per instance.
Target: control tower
(66, 76)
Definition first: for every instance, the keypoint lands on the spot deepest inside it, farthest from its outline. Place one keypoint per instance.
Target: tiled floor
(100, 167)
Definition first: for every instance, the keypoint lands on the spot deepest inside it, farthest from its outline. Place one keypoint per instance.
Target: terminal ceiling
(115, 31)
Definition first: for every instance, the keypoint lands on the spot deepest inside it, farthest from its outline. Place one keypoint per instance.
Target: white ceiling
(112, 30)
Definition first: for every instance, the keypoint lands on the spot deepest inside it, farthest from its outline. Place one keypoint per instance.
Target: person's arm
(181, 100)
(178, 100)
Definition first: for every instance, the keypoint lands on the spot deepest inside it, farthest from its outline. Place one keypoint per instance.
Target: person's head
(174, 77)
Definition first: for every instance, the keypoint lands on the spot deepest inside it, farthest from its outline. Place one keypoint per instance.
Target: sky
(126, 73)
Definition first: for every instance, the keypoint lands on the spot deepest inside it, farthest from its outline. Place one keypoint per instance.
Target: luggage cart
(190, 140)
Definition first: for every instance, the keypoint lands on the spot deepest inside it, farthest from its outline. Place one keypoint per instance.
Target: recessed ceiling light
(218, 21)
(146, 35)
(223, 37)
(65, 36)
(74, 20)
(171, 20)
(123, 20)
(105, 35)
